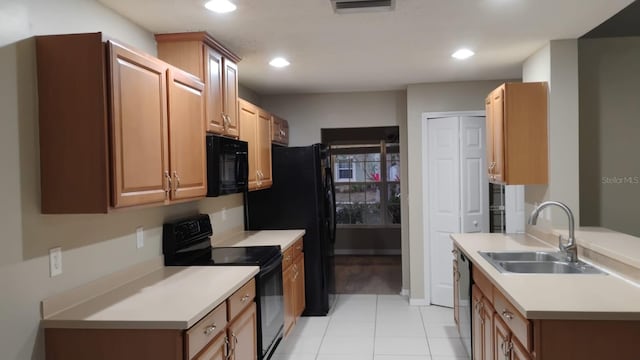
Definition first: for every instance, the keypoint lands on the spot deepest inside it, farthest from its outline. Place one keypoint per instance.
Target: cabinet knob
(507, 314)
(210, 329)
(245, 298)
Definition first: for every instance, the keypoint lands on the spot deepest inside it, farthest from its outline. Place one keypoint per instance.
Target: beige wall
(609, 133)
(557, 63)
(92, 245)
(309, 113)
(248, 94)
(434, 97)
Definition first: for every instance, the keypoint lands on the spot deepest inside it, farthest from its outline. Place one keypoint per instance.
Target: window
(344, 169)
(367, 184)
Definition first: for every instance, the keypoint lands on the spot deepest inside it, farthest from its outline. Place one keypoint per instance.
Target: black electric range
(187, 242)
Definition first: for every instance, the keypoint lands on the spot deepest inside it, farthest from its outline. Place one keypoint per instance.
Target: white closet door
(474, 200)
(444, 203)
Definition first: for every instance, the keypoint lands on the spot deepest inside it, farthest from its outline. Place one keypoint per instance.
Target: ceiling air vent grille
(351, 6)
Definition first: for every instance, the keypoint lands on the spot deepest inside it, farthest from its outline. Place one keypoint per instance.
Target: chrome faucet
(570, 249)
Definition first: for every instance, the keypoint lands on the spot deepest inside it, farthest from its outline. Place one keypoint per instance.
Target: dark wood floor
(368, 274)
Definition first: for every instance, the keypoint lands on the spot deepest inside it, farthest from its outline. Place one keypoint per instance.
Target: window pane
(393, 167)
(393, 203)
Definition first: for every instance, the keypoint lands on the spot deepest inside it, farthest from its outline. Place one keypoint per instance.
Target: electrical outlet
(55, 262)
(224, 214)
(139, 237)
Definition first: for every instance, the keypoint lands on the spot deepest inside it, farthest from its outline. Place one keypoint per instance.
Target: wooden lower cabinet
(242, 335)
(482, 322)
(216, 350)
(501, 332)
(293, 284)
(223, 334)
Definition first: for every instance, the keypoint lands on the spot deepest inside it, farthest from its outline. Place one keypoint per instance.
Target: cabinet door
(139, 141)
(288, 291)
(248, 133)
(497, 115)
(243, 335)
(299, 286)
(489, 130)
(456, 295)
(276, 123)
(264, 149)
(214, 90)
(518, 352)
(501, 338)
(187, 136)
(477, 323)
(487, 329)
(216, 350)
(230, 86)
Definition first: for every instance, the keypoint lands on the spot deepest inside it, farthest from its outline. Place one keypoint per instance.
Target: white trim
(425, 196)
(419, 302)
(404, 292)
(368, 252)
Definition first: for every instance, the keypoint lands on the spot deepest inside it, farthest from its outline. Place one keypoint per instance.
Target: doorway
(456, 196)
(366, 168)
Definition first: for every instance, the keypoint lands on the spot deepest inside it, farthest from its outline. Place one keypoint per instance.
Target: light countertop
(553, 296)
(282, 238)
(168, 298)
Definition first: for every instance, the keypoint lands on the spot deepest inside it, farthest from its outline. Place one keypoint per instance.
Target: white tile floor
(375, 327)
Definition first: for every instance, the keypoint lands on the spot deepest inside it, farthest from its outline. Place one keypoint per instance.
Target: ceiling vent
(356, 6)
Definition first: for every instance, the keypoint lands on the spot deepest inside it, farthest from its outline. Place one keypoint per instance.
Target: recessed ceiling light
(463, 54)
(279, 62)
(220, 6)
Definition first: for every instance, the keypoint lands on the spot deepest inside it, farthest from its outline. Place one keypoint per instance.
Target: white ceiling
(375, 50)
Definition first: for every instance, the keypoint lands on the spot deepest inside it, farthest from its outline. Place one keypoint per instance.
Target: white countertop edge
(58, 320)
(489, 271)
(282, 238)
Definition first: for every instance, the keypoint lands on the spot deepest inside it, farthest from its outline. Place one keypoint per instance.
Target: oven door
(271, 303)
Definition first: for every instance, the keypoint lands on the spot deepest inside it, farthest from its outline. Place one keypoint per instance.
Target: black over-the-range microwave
(227, 165)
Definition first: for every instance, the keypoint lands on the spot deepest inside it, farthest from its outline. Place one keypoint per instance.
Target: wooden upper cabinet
(115, 123)
(255, 129)
(517, 151)
(140, 157)
(230, 81)
(186, 134)
(280, 131)
(201, 55)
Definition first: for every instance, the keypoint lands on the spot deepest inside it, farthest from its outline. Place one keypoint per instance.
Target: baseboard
(404, 292)
(419, 302)
(368, 252)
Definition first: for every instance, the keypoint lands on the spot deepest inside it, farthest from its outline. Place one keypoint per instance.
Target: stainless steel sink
(522, 256)
(537, 262)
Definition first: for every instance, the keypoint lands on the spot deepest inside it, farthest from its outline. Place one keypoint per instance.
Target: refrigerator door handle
(333, 204)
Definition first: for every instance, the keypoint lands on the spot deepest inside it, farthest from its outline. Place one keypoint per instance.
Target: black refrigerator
(302, 197)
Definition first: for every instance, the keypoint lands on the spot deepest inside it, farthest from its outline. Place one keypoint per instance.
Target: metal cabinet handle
(227, 348)
(454, 252)
(210, 329)
(245, 298)
(299, 247)
(235, 339)
(287, 258)
(176, 181)
(508, 315)
(167, 189)
(506, 347)
(457, 275)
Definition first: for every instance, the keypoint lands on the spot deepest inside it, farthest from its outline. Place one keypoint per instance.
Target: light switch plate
(139, 237)
(55, 261)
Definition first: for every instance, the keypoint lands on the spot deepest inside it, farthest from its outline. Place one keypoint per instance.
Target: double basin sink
(537, 262)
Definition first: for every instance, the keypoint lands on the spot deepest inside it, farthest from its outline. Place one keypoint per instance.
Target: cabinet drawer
(519, 326)
(298, 248)
(287, 257)
(241, 299)
(200, 334)
(482, 282)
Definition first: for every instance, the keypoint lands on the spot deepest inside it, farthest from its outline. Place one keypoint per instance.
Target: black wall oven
(187, 243)
(227, 165)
